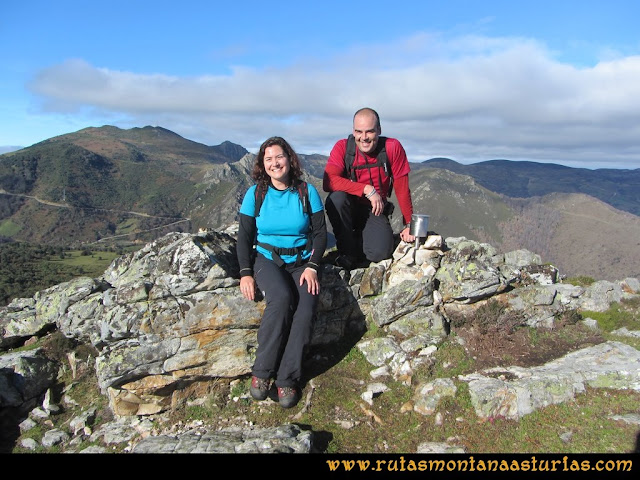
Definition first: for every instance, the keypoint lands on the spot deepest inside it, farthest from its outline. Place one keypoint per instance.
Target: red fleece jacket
(335, 178)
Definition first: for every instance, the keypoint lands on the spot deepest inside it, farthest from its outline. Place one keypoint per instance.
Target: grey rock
(513, 392)
(439, 447)
(632, 418)
(24, 376)
(27, 424)
(401, 300)
(631, 285)
(378, 351)
(29, 443)
(427, 396)
(625, 332)
(94, 449)
(282, 439)
(86, 418)
(120, 431)
(599, 295)
(468, 273)
(54, 437)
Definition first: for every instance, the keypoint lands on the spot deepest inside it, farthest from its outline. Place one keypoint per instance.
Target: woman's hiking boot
(288, 396)
(259, 387)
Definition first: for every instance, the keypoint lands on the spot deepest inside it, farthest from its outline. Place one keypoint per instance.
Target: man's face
(366, 132)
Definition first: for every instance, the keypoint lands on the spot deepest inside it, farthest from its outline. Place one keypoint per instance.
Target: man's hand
(377, 204)
(406, 236)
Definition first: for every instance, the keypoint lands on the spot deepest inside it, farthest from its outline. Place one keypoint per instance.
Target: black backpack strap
(300, 186)
(259, 197)
(382, 161)
(349, 157)
(303, 193)
(277, 251)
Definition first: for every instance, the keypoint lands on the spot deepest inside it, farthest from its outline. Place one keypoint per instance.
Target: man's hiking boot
(288, 396)
(347, 262)
(259, 388)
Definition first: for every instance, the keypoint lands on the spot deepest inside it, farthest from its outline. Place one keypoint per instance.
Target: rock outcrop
(170, 316)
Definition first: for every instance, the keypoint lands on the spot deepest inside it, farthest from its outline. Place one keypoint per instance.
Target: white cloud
(470, 98)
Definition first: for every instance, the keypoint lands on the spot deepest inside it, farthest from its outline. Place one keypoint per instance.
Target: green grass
(128, 226)
(26, 269)
(451, 359)
(9, 229)
(620, 314)
(580, 280)
(93, 265)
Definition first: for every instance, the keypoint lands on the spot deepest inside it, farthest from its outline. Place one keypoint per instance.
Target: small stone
(29, 443)
(38, 413)
(438, 419)
(406, 407)
(54, 437)
(566, 436)
(27, 425)
(380, 372)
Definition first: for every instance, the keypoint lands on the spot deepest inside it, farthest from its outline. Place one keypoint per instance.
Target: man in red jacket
(357, 205)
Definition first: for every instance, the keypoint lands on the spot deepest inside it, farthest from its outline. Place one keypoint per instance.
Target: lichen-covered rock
(427, 396)
(468, 273)
(282, 439)
(24, 376)
(170, 316)
(513, 392)
(401, 300)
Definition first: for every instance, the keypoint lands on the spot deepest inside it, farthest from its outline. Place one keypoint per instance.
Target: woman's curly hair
(260, 174)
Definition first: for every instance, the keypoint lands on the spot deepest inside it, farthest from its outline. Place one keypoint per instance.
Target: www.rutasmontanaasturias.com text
(471, 464)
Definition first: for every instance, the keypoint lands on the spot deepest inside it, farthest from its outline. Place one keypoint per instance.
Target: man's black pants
(357, 230)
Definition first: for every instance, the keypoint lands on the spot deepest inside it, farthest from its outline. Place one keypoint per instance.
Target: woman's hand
(310, 276)
(248, 287)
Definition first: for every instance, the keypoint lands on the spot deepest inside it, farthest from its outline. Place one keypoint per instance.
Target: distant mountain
(148, 143)
(109, 182)
(116, 186)
(577, 233)
(619, 188)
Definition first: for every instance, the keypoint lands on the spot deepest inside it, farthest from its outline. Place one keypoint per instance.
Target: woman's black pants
(287, 322)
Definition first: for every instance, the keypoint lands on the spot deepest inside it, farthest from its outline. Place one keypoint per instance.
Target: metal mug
(419, 225)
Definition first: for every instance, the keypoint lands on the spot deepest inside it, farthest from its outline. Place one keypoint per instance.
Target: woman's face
(277, 166)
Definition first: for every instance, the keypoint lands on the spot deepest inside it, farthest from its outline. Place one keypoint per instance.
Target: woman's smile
(277, 166)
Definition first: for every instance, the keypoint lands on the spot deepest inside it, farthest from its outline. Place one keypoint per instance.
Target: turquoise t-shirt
(282, 221)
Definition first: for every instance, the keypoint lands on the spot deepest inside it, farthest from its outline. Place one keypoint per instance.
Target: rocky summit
(169, 319)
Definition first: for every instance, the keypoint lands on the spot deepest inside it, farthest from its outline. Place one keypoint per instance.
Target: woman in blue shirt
(290, 241)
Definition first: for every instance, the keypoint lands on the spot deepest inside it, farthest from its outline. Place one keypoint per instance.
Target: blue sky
(548, 81)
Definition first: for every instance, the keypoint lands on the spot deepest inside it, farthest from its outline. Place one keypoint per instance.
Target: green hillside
(90, 184)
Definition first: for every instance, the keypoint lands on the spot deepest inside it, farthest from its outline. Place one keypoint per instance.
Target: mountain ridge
(106, 184)
(619, 188)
